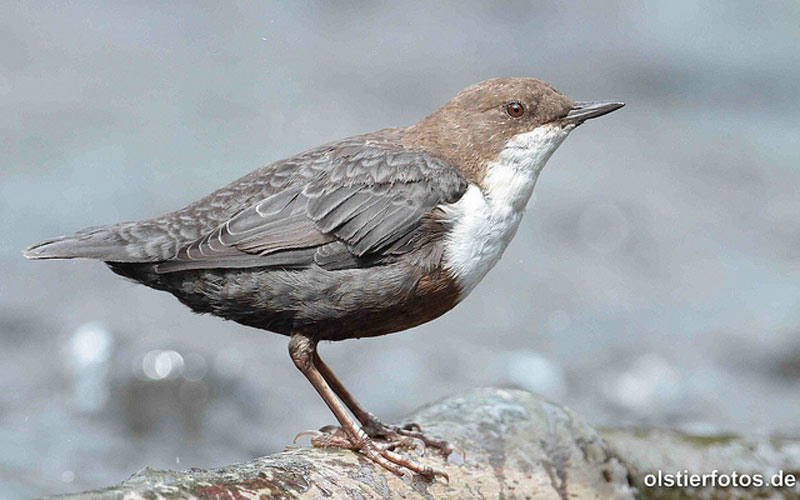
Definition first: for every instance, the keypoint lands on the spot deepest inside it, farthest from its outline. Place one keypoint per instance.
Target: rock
(515, 445)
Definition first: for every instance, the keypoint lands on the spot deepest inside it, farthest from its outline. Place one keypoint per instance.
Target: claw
(419, 446)
(412, 426)
(311, 433)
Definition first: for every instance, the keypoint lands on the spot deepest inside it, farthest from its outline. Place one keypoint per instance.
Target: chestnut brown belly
(434, 295)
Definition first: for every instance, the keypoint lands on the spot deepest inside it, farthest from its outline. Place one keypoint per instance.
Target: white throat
(485, 220)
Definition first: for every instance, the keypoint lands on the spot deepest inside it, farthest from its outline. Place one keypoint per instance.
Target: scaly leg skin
(332, 436)
(409, 435)
(303, 350)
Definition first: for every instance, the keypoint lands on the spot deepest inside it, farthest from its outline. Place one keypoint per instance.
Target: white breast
(485, 220)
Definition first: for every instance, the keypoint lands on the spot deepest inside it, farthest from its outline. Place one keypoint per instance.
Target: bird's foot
(383, 452)
(409, 433)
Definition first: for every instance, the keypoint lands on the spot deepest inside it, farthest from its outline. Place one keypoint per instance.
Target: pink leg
(303, 353)
(406, 435)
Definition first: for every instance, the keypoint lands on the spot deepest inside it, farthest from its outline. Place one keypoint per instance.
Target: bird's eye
(515, 109)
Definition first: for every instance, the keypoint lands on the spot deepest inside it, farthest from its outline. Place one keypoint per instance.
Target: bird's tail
(126, 242)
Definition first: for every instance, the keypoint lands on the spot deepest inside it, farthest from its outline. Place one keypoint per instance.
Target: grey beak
(584, 110)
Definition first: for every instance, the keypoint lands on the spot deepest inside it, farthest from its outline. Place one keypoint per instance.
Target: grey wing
(364, 203)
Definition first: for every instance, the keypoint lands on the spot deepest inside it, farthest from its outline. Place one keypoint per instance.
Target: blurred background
(654, 281)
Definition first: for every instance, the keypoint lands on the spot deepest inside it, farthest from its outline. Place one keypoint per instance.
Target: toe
(421, 469)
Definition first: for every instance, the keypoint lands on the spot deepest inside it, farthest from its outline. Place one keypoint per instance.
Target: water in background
(655, 279)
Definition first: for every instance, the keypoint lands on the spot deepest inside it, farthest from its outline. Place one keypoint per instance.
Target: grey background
(654, 281)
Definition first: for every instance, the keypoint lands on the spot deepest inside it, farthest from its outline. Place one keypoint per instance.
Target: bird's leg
(407, 435)
(302, 350)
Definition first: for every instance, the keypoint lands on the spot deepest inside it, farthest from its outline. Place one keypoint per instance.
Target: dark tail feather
(94, 243)
(124, 242)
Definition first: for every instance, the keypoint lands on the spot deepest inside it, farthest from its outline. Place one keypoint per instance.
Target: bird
(366, 236)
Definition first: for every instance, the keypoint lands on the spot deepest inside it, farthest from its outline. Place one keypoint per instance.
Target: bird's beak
(584, 110)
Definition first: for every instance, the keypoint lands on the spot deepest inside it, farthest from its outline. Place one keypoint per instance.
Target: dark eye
(515, 109)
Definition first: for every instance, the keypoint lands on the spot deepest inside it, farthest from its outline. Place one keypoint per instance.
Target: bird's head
(483, 120)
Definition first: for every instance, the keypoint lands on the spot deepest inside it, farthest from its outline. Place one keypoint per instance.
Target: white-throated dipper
(361, 237)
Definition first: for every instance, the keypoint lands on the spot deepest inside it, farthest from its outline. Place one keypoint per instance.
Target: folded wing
(361, 203)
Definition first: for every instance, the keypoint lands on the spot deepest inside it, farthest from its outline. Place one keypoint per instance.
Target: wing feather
(350, 207)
